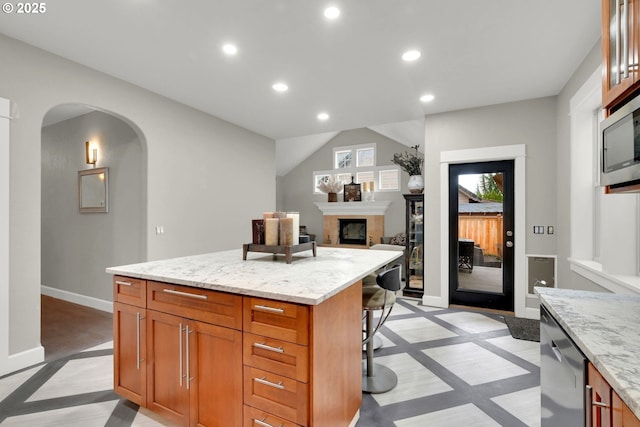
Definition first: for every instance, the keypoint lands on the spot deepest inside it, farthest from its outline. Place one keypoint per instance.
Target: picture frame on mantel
(352, 192)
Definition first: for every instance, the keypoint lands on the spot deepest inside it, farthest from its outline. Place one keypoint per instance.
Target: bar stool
(377, 378)
(370, 280)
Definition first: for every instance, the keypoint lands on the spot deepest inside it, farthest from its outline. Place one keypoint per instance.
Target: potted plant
(332, 187)
(411, 163)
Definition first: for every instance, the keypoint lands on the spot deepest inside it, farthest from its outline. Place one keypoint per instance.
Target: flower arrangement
(330, 185)
(411, 163)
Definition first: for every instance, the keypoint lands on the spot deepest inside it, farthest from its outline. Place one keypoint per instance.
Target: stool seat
(378, 296)
(369, 280)
(375, 298)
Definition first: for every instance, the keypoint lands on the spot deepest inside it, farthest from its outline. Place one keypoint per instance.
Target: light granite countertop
(307, 280)
(606, 327)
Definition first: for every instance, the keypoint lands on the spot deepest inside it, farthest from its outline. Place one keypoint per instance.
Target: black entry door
(481, 239)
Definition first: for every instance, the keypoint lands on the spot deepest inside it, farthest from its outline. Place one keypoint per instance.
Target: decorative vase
(333, 197)
(415, 184)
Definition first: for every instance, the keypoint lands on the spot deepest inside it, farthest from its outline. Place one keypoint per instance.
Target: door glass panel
(480, 231)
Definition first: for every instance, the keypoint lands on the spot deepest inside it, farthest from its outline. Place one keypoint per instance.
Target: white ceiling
(474, 53)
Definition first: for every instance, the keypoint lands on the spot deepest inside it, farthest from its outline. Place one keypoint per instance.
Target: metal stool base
(383, 380)
(377, 344)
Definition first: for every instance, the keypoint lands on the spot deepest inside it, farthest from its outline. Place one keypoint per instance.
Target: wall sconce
(91, 153)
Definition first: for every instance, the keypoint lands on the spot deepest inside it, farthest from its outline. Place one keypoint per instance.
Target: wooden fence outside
(485, 231)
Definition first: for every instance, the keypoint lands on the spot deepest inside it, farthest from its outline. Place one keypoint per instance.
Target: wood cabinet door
(601, 398)
(215, 375)
(129, 353)
(622, 414)
(167, 392)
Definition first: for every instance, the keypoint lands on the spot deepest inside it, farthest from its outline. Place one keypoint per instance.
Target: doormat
(523, 329)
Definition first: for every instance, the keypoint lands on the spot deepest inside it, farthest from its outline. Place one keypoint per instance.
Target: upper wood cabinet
(620, 46)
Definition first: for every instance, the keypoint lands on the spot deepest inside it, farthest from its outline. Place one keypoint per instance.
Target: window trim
(354, 154)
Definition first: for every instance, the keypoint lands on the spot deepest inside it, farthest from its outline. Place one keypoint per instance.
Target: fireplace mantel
(353, 208)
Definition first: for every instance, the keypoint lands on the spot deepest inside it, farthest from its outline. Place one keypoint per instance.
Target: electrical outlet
(538, 229)
(550, 229)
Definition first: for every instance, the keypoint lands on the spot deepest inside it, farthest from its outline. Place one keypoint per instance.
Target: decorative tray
(287, 251)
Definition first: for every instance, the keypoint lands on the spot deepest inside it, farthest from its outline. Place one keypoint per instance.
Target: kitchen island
(605, 327)
(214, 340)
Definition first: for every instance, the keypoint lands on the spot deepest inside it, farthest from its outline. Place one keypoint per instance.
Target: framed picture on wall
(352, 192)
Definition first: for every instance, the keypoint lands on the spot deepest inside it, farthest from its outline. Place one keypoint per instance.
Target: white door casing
(506, 152)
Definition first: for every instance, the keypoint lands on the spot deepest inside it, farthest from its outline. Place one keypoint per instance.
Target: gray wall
(206, 178)
(77, 247)
(530, 122)
(295, 188)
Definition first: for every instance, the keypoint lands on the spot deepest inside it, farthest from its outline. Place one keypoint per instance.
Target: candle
(271, 231)
(258, 231)
(286, 231)
(296, 226)
(365, 186)
(371, 185)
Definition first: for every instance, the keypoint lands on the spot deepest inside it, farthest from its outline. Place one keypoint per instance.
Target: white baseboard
(434, 301)
(22, 360)
(532, 313)
(92, 302)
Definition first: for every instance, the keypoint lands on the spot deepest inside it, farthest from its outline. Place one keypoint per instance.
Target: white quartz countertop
(307, 280)
(606, 327)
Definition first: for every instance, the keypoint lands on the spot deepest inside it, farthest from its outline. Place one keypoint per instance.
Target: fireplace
(352, 231)
(368, 215)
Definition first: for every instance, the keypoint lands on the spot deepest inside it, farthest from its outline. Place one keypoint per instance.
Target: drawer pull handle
(121, 283)
(269, 383)
(268, 347)
(270, 309)
(263, 423)
(184, 294)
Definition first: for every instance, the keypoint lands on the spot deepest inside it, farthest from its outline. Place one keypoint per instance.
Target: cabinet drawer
(275, 319)
(256, 418)
(128, 290)
(276, 395)
(218, 308)
(277, 356)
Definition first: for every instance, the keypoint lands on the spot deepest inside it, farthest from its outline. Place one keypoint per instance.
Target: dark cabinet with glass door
(414, 258)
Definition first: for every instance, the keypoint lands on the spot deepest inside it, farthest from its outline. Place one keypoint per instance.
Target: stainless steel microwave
(620, 146)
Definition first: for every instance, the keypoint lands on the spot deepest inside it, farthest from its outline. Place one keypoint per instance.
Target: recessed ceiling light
(280, 87)
(427, 98)
(331, 12)
(230, 49)
(323, 116)
(411, 55)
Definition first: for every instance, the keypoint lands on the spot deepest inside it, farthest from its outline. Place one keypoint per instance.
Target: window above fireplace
(359, 162)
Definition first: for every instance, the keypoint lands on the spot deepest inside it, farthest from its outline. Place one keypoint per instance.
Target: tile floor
(455, 368)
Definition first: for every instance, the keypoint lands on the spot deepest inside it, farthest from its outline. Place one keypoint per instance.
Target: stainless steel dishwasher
(562, 375)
